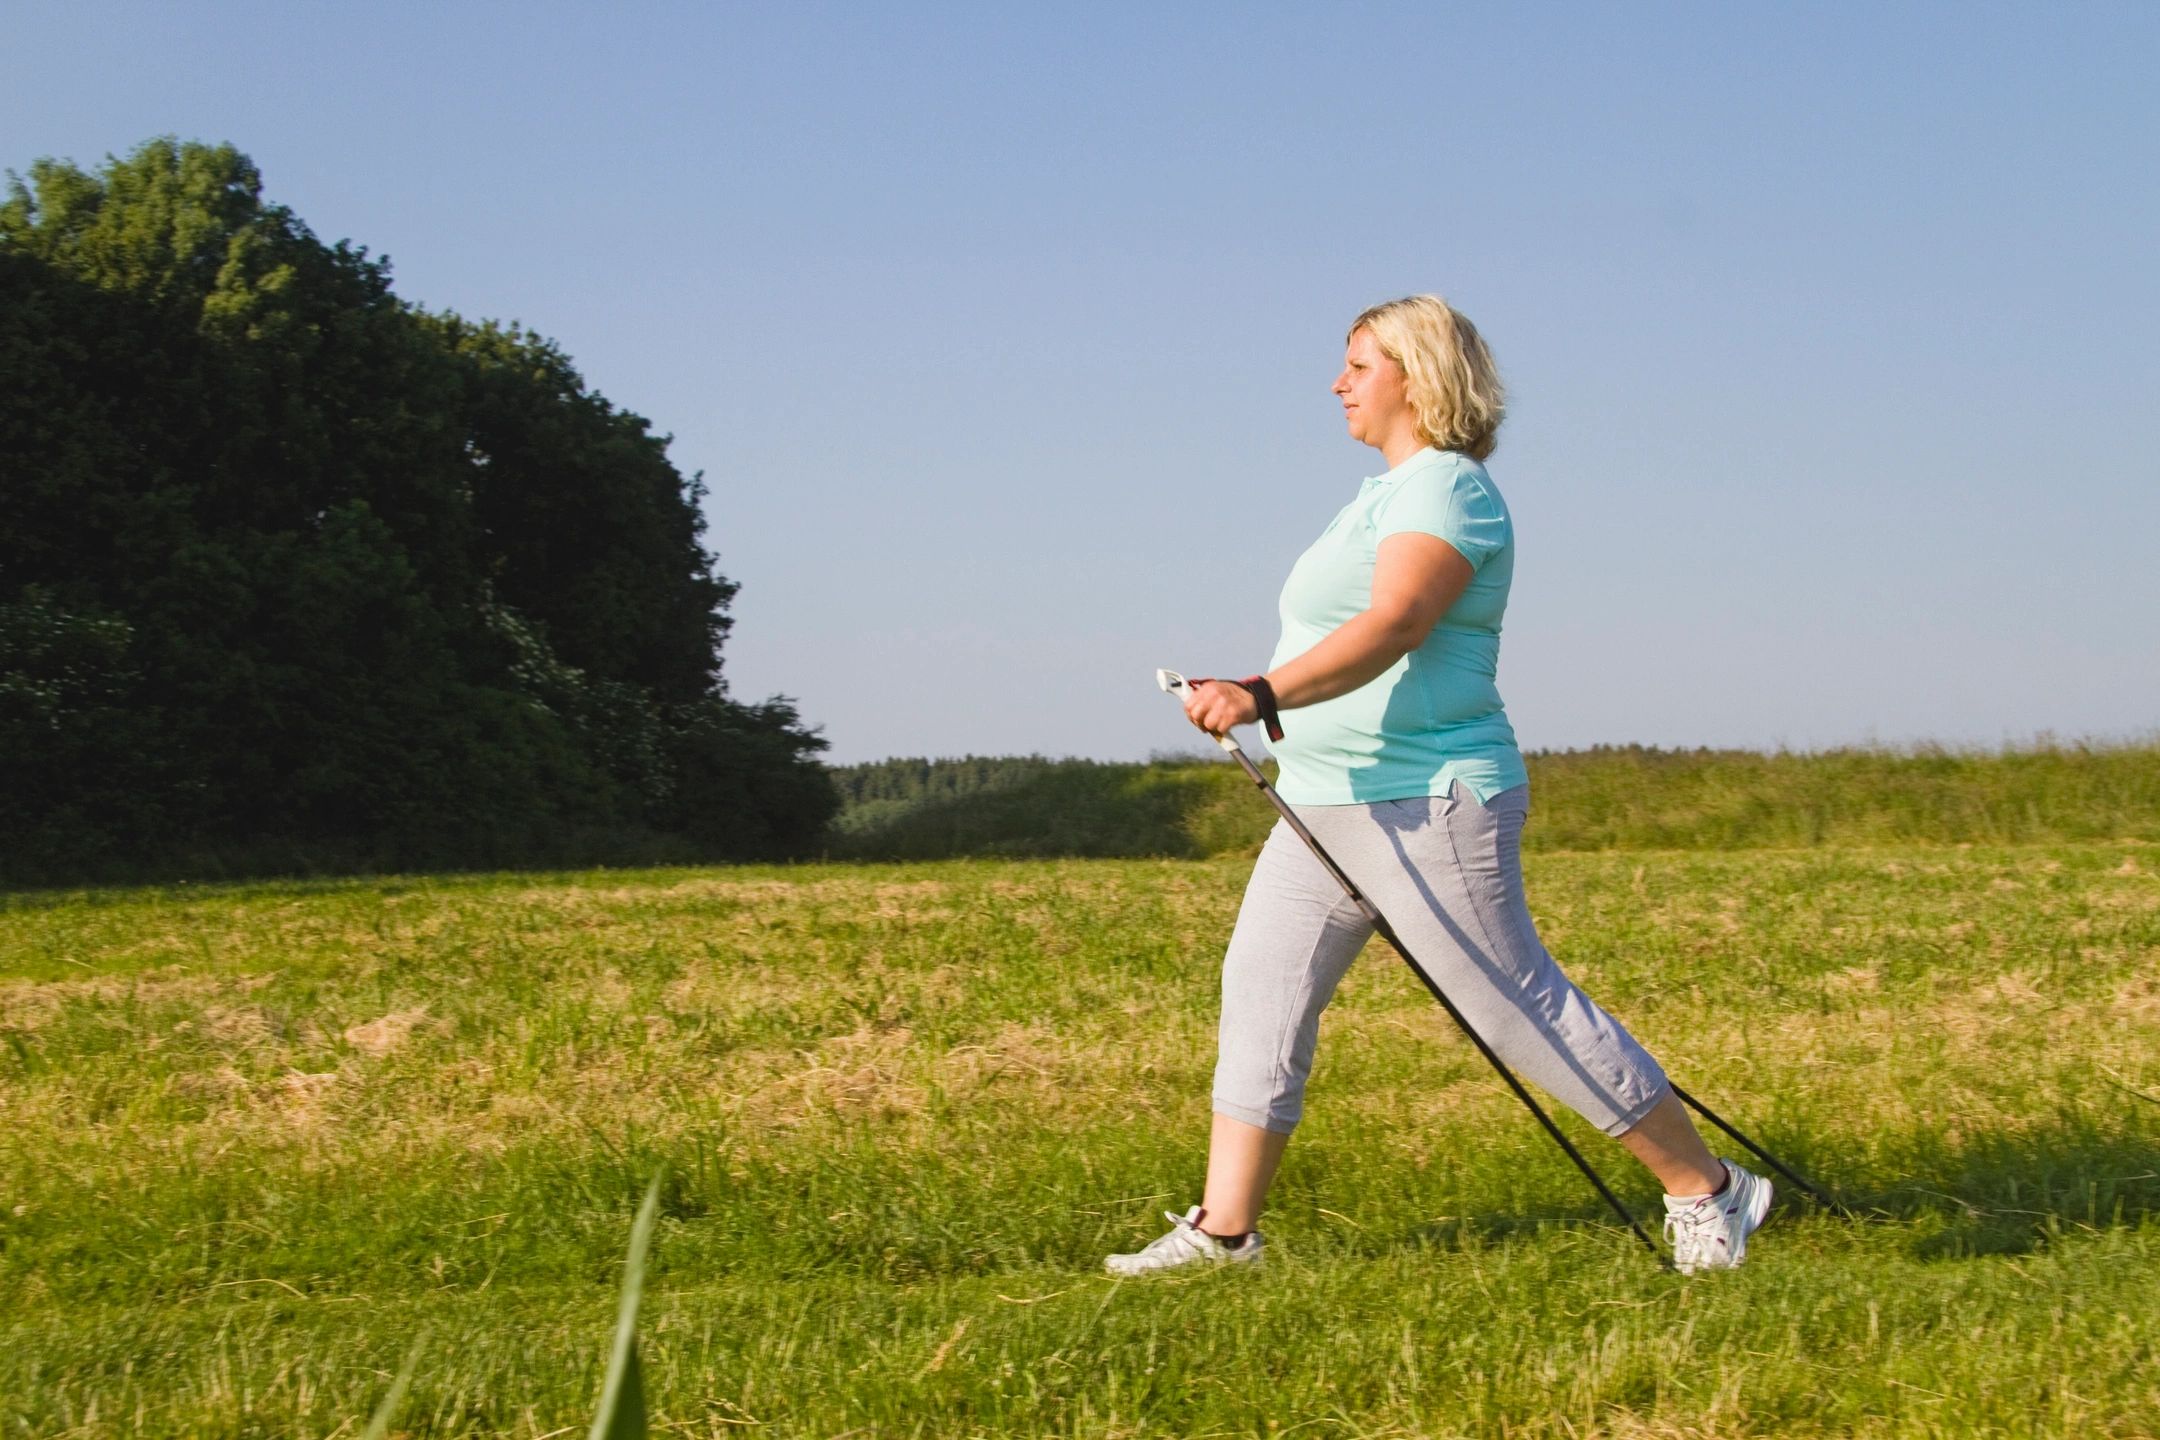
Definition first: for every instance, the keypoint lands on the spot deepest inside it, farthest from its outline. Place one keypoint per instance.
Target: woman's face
(1374, 393)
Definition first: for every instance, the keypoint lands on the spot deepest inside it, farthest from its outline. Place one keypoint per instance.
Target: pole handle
(1179, 687)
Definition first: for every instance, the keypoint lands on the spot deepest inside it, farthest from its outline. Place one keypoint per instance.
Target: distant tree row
(1029, 805)
(290, 567)
(915, 780)
(1609, 797)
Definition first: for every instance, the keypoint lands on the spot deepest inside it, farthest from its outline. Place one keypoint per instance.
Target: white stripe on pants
(1447, 873)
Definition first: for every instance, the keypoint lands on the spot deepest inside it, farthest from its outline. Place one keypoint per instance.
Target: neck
(1400, 447)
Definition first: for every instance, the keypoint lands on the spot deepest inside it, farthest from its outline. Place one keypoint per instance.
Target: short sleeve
(1451, 502)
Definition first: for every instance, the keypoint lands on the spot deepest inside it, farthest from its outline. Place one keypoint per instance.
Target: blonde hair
(1453, 387)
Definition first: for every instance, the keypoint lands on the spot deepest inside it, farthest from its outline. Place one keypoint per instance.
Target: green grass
(1608, 798)
(259, 1137)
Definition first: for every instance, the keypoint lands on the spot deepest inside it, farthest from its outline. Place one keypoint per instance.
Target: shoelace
(1703, 1220)
(1179, 1238)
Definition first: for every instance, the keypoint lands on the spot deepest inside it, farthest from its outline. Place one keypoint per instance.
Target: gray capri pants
(1446, 871)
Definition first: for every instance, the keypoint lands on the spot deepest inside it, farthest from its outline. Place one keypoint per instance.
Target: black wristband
(1264, 693)
(1263, 699)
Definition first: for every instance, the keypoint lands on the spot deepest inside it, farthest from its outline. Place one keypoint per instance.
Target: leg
(1447, 872)
(1669, 1145)
(1296, 935)
(1240, 1166)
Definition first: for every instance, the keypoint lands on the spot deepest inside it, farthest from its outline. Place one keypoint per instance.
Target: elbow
(1401, 632)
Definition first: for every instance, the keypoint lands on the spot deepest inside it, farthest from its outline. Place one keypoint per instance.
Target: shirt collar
(1410, 465)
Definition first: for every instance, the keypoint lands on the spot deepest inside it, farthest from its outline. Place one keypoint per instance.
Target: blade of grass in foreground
(379, 1424)
(622, 1394)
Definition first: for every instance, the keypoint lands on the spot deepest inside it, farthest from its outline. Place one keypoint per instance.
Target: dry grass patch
(727, 991)
(2137, 1001)
(32, 1004)
(381, 1036)
(1023, 1068)
(716, 992)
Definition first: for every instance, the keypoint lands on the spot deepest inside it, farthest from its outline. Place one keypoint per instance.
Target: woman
(1398, 757)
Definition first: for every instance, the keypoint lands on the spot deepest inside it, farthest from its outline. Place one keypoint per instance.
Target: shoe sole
(1190, 1266)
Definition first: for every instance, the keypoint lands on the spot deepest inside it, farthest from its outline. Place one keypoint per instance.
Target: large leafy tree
(589, 530)
(285, 562)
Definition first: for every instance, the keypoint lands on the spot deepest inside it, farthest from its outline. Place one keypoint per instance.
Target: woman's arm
(1416, 578)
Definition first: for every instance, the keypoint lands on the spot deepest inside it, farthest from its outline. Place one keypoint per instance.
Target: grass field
(258, 1138)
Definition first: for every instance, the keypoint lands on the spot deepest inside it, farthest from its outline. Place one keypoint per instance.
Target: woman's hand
(1219, 704)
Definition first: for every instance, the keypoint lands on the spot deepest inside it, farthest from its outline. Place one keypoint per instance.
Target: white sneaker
(1186, 1244)
(1709, 1232)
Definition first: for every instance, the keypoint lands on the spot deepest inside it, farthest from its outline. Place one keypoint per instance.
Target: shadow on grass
(1076, 809)
(1998, 1194)
(1991, 1194)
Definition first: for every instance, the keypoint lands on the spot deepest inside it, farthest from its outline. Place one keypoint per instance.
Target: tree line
(294, 570)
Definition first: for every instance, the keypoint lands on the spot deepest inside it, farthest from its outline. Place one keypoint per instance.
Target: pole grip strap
(1263, 695)
(1263, 692)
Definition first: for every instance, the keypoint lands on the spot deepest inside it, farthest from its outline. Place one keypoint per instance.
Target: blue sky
(1003, 334)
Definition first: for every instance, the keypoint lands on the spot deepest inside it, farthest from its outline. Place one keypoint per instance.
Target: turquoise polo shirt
(1434, 716)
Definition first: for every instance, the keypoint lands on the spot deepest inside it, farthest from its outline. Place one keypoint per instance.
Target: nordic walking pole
(1820, 1197)
(1176, 685)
